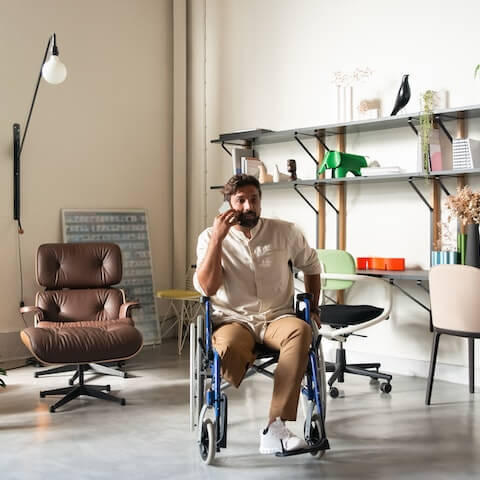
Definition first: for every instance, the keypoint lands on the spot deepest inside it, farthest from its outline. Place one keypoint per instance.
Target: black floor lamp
(55, 72)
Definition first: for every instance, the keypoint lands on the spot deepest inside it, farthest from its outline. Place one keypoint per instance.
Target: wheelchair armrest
(341, 333)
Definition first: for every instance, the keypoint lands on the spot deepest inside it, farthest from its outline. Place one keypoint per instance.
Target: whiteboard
(129, 230)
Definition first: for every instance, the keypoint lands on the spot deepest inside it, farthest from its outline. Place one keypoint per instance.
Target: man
(244, 263)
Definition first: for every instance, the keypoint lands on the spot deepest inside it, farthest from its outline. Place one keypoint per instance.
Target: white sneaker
(276, 435)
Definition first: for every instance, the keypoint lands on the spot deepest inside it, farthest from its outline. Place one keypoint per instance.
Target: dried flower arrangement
(465, 205)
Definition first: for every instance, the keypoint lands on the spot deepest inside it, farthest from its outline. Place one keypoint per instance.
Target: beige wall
(102, 139)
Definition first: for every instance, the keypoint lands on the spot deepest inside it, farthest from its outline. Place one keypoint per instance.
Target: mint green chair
(340, 321)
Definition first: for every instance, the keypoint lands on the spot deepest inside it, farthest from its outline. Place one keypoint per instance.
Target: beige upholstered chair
(455, 305)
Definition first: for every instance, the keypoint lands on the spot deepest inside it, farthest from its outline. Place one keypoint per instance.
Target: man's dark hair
(238, 181)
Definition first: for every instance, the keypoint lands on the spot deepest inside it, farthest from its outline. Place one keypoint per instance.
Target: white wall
(102, 139)
(270, 64)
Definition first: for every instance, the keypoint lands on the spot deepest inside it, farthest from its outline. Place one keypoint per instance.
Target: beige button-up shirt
(257, 273)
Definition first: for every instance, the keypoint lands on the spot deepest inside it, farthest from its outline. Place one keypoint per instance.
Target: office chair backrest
(454, 297)
(77, 278)
(336, 261)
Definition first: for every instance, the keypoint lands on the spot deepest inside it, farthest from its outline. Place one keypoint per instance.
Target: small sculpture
(263, 176)
(278, 176)
(292, 168)
(403, 96)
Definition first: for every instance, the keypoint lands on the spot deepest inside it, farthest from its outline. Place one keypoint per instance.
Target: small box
(376, 263)
(395, 264)
(362, 263)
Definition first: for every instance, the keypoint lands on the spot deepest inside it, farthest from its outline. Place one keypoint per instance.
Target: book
(237, 154)
(369, 171)
(250, 166)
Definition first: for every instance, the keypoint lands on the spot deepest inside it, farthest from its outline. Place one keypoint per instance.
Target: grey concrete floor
(372, 435)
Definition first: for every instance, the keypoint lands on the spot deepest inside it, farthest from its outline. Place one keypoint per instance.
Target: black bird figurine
(403, 96)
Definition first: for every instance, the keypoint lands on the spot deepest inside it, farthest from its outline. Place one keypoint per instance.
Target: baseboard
(407, 366)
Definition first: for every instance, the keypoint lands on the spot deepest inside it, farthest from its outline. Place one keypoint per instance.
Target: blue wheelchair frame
(206, 362)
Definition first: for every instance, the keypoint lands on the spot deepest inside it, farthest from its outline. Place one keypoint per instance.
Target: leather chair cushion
(96, 304)
(82, 344)
(343, 315)
(79, 265)
(95, 323)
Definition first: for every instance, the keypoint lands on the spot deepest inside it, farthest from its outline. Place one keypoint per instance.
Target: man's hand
(223, 223)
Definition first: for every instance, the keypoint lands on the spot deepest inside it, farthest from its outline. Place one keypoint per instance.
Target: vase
(472, 253)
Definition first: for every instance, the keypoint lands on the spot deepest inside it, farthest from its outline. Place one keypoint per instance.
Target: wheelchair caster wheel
(334, 392)
(385, 387)
(315, 430)
(207, 442)
(52, 409)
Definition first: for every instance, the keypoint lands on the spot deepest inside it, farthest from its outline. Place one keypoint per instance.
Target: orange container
(376, 263)
(395, 263)
(362, 263)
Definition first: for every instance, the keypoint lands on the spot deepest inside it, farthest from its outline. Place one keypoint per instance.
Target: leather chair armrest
(125, 308)
(37, 311)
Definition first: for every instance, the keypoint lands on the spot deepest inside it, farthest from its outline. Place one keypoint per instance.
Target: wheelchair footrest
(320, 445)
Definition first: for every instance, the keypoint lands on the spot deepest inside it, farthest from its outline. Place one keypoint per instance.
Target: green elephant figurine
(342, 163)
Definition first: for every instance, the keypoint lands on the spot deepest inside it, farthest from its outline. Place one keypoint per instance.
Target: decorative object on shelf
(465, 205)
(292, 168)
(237, 154)
(279, 176)
(477, 69)
(344, 83)
(250, 166)
(263, 176)
(425, 128)
(403, 95)
(53, 71)
(2, 383)
(369, 109)
(442, 257)
(380, 263)
(466, 153)
(341, 163)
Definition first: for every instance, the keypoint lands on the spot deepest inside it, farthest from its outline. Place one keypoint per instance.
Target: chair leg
(471, 364)
(61, 369)
(106, 370)
(433, 361)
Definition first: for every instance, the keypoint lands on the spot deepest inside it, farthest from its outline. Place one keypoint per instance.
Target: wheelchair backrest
(336, 261)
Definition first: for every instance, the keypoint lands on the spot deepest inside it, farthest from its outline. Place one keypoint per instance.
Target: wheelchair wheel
(207, 442)
(315, 430)
(193, 377)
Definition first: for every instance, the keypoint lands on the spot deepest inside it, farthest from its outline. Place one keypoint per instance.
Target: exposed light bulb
(54, 71)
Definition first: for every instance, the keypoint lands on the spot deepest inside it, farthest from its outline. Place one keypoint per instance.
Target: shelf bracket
(420, 194)
(307, 201)
(443, 187)
(226, 149)
(412, 126)
(304, 147)
(326, 199)
(439, 120)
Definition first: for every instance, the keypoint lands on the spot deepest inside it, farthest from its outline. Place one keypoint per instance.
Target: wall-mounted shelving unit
(340, 131)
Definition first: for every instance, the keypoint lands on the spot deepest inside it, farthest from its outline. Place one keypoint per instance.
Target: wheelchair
(208, 401)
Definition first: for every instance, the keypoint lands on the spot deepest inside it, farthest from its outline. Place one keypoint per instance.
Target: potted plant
(465, 205)
(2, 383)
(425, 126)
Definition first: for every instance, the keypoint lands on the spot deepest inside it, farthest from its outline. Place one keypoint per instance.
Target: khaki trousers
(291, 336)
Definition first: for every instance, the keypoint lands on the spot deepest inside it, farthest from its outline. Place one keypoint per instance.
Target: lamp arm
(35, 94)
(18, 145)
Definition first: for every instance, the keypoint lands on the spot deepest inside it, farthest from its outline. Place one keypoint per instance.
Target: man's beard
(248, 220)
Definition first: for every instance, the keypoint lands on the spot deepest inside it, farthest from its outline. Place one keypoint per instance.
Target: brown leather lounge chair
(79, 318)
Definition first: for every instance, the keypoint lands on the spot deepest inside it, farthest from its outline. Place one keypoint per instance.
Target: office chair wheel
(385, 387)
(334, 393)
(70, 381)
(52, 409)
(42, 395)
(207, 442)
(315, 430)
(107, 388)
(123, 402)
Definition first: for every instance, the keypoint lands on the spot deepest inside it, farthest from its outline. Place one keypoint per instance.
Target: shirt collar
(239, 233)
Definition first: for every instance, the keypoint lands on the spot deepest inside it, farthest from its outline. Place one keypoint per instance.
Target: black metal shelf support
(439, 120)
(412, 126)
(304, 147)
